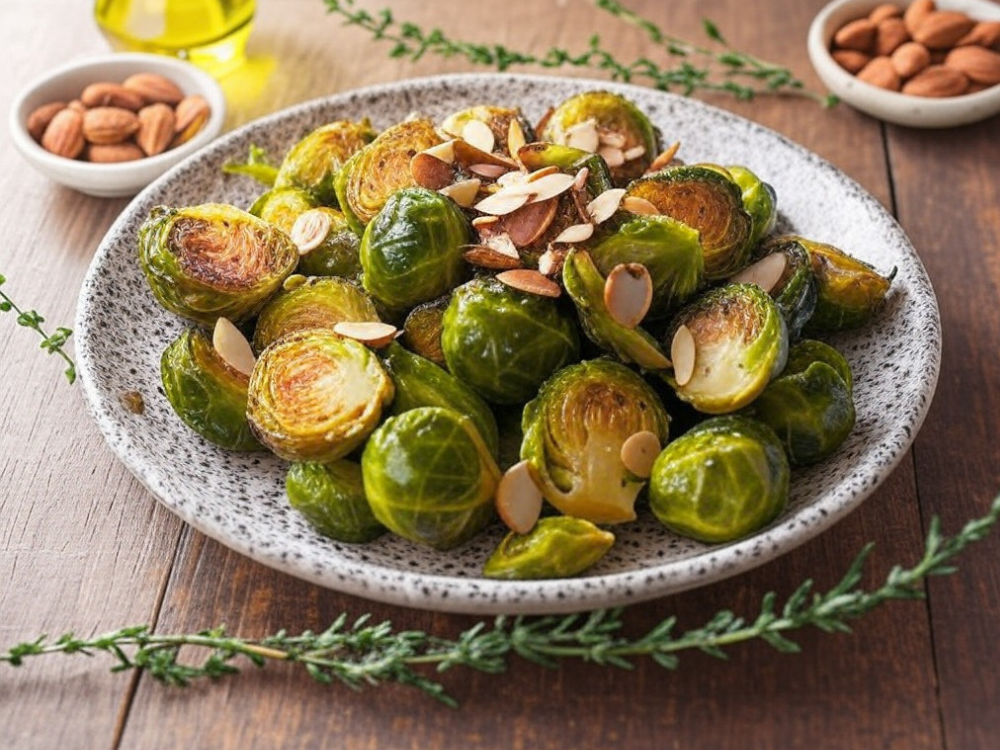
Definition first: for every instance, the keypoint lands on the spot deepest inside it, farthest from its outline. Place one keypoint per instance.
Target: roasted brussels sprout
(725, 478)
(422, 330)
(498, 119)
(312, 164)
(558, 547)
(705, 198)
(505, 343)
(419, 382)
(331, 497)
(318, 302)
(759, 200)
(337, 253)
(573, 434)
(315, 396)
(213, 261)
(411, 252)
(796, 290)
(280, 207)
(429, 477)
(208, 395)
(810, 406)
(740, 344)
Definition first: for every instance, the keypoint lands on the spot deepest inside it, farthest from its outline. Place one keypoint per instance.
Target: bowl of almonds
(110, 125)
(926, 63)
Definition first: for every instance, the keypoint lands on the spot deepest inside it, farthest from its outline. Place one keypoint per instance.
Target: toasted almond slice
(512, 178)
(443, 151)
(477, 133)
(639, 452)
(551, 262)
(604, 206)
(530, 281)
(628, 293)
(230, 344)
(583, 136)
(663, 160)
(575, 233)
(484, 221)
(611, 138)
(518, 499)
(612, 156)
(765, 273)
(634, 153)
(683, 353)
(310, 229)
(430, 172)
(543, 172)
(526, 225)
(373, 334)
(463, 192)
(502, 243)
(580, 180)
(466, 154)
(502, 203)
(515, 137)
(636, 205)
(488, 257)
(543, 188)
(489, 171)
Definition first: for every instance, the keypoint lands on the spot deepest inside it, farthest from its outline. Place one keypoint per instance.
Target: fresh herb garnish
(53, 344)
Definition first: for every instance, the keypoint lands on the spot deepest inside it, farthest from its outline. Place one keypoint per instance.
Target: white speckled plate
(239, 499)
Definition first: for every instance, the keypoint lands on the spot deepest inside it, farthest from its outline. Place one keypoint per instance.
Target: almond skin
(983, 34)
(156, 128)
(977, 63)
(114, 153)
(910, 59)
(154, 88)
(889, 35)
(64, 135)
(880, 72)
(857, 35)
(916, 12)
(107, 94)
(942, 28)
(103, 125)
(884, 11)
(937, 81)
(851, 60)
(40, 118)
(192, 112)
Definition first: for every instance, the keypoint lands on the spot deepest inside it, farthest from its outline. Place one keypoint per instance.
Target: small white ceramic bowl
(67, 82)
(915, 111)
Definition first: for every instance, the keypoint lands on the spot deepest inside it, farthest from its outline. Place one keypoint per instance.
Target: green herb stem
(53, 343)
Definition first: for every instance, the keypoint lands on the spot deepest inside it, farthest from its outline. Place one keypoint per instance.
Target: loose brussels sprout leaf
(707, 200)
(208, 395)
(213, 261)
(331, 497)
(558, 547)
(422, 330)
(429, 477)
(497, 118)
(722, 480)
(796, 291)
(338, 254)
(411, 252)
(506, 343)
(257, 166)
(670, 251)
(312, 164)
(319, 302)
(810, 405)
(585, 286)
(380, 169)
(419, 382)
(741, 343)
(282, 206)
(315, 396)
(759, 200)
(573, 435)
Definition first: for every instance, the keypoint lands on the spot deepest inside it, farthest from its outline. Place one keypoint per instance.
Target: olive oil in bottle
(210, 33)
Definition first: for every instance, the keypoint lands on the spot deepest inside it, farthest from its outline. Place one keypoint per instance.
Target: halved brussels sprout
(505, 343)
(585, 286)
(810, 405)
(706, 199)
(338, 254)
(315, 396)
(207, 394)
(759, 200)
(498, 120)
(213, 261)
(429, 477)
(573, 435)
(282, 206)
(670, 251)
(319, 302)
(722, 480)
(312, 164)
(741, 343)
(558, 547)
(331, 497)
(419, 382)
(422, 330)
(796, 291)
(411, 252)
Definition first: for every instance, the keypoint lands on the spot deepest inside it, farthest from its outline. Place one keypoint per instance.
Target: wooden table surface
(83, 546)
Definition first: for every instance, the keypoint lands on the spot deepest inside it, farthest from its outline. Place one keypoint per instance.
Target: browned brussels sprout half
(213, 261)
(312, 164)
(208, 395)
(331, 497)
(282, 206)
(557, 547)
(422, 330)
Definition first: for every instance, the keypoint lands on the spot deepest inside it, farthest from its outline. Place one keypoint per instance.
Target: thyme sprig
(362, 654)
(53, 343)
(697, 68)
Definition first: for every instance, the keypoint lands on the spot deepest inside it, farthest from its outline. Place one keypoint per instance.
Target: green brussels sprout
(505, 343)
(213, 261)
(257, 166)
(705, 198)
(312, 164)
(429, 477)
(419, 382)
(331, 497)
(741, 343)
(722, 480)
(670, 251)
(759, 200)
(280, 207)
(381, 168)
(338, 253)
(319, 302)
(208, 395)
(411, 251)
(796, 291)
(422, 330)
(585, 286)
(315, 396)
(558, 547)
(497, 118)
(810, 405)
(573, 435)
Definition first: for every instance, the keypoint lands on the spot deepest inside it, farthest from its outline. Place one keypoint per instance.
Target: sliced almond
(628, 293)
(613, 157)
(489, 171)
(551, 262)
(518, 499)
(430, 172)
(530, 281)
(663, 160)
(466, 154)
(543, 188)
(443, 151)
(515, 137)
(526, 225)
(463, 192)
(477, 133)
(485, 256)
(230, 344)
(502, 243)
(511, 178)
(373, 334)
(639, 453)
(502, 203)
(540, 173)
(765, 273)
(575, 233)
(611, 138)
(636, 205)
(481, 222)
(683, 353)
(580, 180)
(604, 206)
(634, 153)
(583, 136)
(310, 229)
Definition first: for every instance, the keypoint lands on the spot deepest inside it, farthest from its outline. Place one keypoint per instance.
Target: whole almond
(880, 72)
(77, 106)
(107, 94)
(977, 63)
(191, 114)
(154, 88)
(889, 35)
(64, 135)
(857, 35)
(40, 118)
(983, 34)
(156, 128)
(937, 81)
(975, 88)
(114, 153)
(884, 11)
(942, 28)
(916, 12)
(910, 58)
(104, 125)
(851, 60)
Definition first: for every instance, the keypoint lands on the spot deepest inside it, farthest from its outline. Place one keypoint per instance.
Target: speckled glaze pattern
(239, 499)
